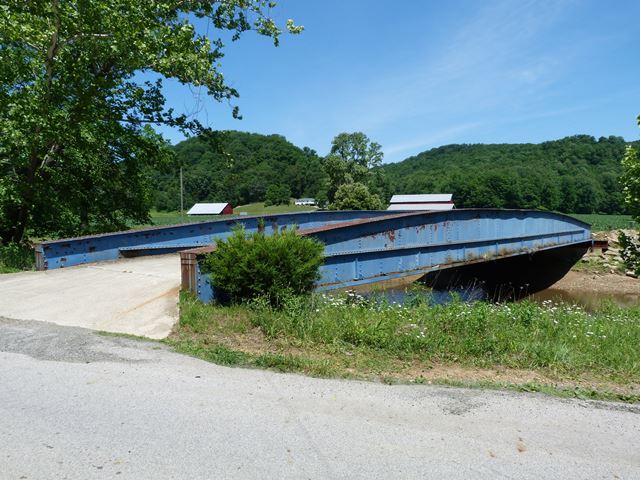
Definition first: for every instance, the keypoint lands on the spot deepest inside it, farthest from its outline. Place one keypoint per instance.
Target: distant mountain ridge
(574, 174)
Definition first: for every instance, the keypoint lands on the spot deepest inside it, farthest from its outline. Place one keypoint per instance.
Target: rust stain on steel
(391, 235)
(363, 221)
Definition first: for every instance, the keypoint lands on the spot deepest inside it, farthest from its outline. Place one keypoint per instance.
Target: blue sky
(416, 74)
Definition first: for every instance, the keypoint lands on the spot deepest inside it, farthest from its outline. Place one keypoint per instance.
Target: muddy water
(586, 298)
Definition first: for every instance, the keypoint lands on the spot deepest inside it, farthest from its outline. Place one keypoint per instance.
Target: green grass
(601, 223)
(583, 393)
(128, 336)
(260, 209)
(222, 355)
(174, 218)
(584, 354)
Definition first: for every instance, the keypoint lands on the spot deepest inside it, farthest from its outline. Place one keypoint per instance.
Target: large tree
(74, 102)
(352, 160)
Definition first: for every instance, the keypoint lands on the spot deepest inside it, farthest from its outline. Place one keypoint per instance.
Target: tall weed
(519, 335)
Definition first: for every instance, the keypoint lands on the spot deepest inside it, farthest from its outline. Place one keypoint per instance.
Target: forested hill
(575, 174)
(237, 168)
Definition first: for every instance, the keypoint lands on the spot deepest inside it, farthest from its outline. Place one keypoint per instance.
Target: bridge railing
(173, 238)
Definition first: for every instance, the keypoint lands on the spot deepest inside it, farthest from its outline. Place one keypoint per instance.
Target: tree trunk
(17, 216)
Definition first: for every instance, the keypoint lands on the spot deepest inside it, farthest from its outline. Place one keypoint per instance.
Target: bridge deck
(136, 296)
(382, 248)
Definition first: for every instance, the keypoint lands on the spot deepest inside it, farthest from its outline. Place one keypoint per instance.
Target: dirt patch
(509, 376)
(602, 284)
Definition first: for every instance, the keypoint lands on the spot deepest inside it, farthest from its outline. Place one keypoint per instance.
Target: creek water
(589, 300)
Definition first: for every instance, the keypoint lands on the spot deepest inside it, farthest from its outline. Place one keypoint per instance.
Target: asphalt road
(80, 406)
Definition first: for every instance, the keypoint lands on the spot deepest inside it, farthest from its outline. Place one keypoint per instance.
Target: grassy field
(174, 218)
(522, 345)
(260, 209)
(601, 223)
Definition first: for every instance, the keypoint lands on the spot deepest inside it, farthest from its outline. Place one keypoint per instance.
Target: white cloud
(492, 57)
(430, 140)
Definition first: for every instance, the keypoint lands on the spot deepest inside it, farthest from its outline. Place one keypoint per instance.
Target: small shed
(431, 201)
(211, 209)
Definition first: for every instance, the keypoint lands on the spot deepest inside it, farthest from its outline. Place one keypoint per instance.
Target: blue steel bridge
(508, 252)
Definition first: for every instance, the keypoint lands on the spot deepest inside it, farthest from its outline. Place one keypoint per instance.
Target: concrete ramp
(138, 296)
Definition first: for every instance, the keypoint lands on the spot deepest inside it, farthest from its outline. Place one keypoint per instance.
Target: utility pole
(181, 194)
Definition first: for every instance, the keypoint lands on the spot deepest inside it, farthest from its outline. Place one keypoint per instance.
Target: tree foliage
(630, 251)
(246, 267)
(355, 196)
(74, 151)
(576, 174)
(349, 168)
(238, 168)
(278, 195)
(631, 179)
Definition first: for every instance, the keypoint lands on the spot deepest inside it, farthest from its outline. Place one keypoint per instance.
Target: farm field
(174, 218)
(601, 222)
(259, 208)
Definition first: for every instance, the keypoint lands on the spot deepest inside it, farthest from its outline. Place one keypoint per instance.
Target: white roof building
(210, 209)
(435, 201)
(423, 198)
(305, 201)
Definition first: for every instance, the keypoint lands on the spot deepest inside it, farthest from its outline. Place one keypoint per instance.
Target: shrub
(355, 196)
(630, 245)
(245, 267)
(15, 257)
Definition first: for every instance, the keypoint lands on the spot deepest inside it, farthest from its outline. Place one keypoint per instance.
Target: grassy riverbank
(523, 345)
